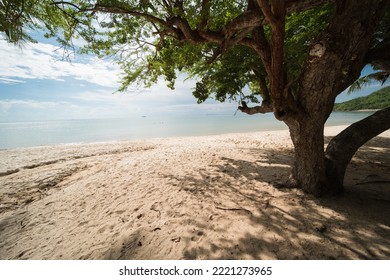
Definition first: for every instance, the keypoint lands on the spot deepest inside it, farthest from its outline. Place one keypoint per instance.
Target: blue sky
(37, 84)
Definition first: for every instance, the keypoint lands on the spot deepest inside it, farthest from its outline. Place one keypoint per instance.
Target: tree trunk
(309, 170)
(309, 165)
(335, 60)
(343, 146)
(322, 173)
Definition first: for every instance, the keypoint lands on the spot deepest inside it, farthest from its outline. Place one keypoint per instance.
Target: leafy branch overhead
(226, 45)
(205, 38)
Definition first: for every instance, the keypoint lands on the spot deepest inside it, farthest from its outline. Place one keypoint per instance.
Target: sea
(42, 133)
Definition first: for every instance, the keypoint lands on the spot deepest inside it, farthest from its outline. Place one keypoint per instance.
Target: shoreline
(204, 197)
(24, 135)
(328, 129)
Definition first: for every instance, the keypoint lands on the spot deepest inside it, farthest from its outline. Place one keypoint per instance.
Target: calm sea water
(39, 133)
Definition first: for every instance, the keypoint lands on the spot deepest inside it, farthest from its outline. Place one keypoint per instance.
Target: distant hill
(377, 100)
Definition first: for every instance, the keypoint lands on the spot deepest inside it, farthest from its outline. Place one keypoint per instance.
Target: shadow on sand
(267, 222)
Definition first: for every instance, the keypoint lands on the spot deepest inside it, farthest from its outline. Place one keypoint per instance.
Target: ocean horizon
(23, 134)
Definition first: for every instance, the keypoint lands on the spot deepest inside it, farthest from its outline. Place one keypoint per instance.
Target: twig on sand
(233, 209)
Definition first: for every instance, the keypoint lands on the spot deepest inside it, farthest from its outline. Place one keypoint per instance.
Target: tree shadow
(258, 220)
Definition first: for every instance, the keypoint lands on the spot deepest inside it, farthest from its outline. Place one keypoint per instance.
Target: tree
(295, 55)
(376, 100)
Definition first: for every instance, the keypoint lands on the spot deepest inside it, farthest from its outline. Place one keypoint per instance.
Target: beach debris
(176, 239)
(156, 229)
(212, 216)
(233, 209)
(154, 208)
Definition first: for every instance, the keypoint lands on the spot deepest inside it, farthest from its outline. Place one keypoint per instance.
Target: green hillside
(377, 100)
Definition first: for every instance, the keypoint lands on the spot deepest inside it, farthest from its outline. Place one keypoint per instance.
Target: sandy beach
(209, 197)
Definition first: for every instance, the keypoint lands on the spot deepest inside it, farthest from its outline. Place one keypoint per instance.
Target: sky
(36, 83)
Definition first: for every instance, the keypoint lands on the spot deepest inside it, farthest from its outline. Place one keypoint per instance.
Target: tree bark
(265, 107)
(308, 171)
(343, 146)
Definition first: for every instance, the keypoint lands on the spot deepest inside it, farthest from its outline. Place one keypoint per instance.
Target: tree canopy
(205, 39)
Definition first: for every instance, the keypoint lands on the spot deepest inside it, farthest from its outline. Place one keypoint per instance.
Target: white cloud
(40, 61)
(22, 110)
(157, 95)
(7, 104)
(10, 81)
(43, 61)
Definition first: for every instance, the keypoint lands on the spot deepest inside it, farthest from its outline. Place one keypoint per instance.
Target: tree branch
(185, 27)
(264, 108)
(264, 89)
(120, 10)
(267, 12)
(343, 146)
(263, 49)
(231, 34)
(276, 16)
(236, 31)
(248, 19)
(211, 36)
(205, 11)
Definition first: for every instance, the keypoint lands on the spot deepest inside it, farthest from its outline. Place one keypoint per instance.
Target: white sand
(208, 197)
